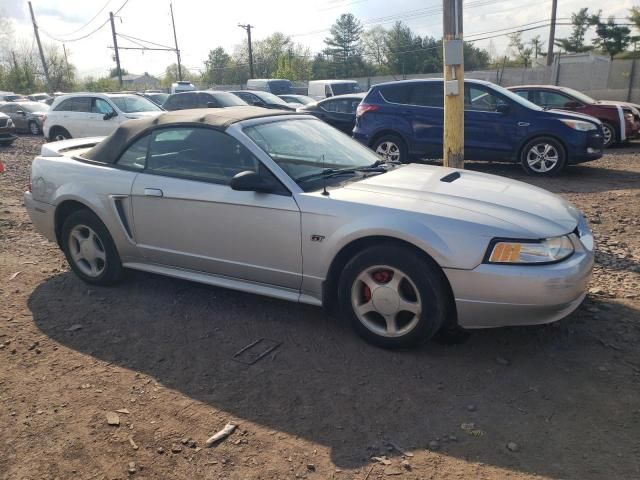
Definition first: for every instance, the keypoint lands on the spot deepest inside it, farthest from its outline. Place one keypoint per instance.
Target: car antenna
(324, 180)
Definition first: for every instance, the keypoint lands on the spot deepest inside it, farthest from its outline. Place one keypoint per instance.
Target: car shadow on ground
(585, 178)
(536, 386)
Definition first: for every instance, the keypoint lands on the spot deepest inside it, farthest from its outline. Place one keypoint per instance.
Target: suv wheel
(543, 156)
(58, 133)
(90, 250)
(393, 297)
(391, 148)
(609, 135)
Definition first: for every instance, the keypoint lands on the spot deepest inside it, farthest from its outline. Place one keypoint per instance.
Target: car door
(490, 124)
(76, 120)
(187, 216)
(336, 112)
(425, 111)
(11, 109)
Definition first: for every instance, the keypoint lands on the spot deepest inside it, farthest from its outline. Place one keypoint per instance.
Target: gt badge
(317, 238)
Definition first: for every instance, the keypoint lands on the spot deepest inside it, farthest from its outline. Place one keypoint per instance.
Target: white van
(182, 86)
(277, 86)
(319, 89)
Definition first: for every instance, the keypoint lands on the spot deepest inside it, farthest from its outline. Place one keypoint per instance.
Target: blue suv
(404, 120)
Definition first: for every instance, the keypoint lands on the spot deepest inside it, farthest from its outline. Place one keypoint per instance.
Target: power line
(83, 26)
(88, 34)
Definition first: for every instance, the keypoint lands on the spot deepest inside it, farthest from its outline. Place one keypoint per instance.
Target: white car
(93, 114)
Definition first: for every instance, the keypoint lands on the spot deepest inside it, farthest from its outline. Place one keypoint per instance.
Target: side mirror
(251, 182)
(211, 105)
(109, 115)
(503, 108)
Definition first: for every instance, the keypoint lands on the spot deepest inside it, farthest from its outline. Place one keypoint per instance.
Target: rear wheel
(58, 133)
(543, 156)
(393, 297)
(90, 250)
(391, 148)
(610, 136)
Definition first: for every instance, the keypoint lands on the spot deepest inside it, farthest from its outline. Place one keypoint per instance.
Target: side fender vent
(122, 215)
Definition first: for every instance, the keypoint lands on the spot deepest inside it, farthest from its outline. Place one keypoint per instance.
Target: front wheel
(609, 135)
(394, 297)
(90, 250)
(58, 133)
(391, 148)
(543, 156)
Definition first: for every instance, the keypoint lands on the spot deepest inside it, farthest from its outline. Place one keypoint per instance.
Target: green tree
(403, 50)
(582, 20)
(216, 63)
(634, 16)
(344, 45)
(612, 38)
(113, 73)
(374, 46)
(523, 53)
(171, 75)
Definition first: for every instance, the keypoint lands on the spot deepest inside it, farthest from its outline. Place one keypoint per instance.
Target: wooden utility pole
(115, 49)
(248, 28)
(453, 137)
(175, 38)
(552, 32)
(44, 63)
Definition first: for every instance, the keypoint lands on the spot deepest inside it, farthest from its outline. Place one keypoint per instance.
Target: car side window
(336, 106)
(204, 99)
(81, 104)
(479, 99)
(65, 105)
(135, 156)
(546, 98)
(248, 97)
(522, 93)
(427, 95)
(396, 94)
(100, 106)
(202, 154)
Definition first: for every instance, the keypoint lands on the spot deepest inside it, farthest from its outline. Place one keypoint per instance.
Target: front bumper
(509, 295)
(589, 147)
(42, 216)
(7, 135)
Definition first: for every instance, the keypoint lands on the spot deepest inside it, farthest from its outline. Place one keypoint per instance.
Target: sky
(202, 25)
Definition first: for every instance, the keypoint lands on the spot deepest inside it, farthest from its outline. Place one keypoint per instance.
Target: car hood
(141, 114)
(517, 207)
(565, 114)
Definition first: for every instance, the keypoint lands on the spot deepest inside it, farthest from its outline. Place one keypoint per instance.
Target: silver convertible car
(281, 204)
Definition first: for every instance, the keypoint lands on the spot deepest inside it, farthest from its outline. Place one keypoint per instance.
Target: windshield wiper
(334, 172)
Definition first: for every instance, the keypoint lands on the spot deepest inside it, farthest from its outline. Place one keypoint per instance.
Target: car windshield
(229, 100)
(515, 97)
(305, 147)
(11, 98)
(581, 97)
(159, 98)
(302, 99)
(34, 107)
(134, 104)
(40, 96)
(344, 88)
(269, 98)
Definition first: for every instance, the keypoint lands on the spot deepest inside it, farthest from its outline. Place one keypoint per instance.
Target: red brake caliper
(380, 276)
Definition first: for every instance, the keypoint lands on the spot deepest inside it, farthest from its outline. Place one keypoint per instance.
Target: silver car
(26, 116)
(281, 204)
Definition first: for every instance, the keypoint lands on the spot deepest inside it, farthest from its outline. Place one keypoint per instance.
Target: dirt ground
(560, 401)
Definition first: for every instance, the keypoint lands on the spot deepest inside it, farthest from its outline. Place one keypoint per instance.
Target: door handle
(153, 192)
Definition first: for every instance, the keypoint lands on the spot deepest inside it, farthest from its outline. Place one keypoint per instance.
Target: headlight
(579, 125)
(529, 251)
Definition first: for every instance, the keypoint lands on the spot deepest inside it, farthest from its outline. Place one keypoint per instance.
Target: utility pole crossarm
(45, 68)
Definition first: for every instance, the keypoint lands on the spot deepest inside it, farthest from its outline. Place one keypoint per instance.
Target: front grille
(3, 122)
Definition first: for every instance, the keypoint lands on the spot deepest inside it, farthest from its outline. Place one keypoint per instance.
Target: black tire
(397, 148)
(545, 167)
(423, 273)
(34, 128)
(112, 270)
(611, 138)
(58, 133)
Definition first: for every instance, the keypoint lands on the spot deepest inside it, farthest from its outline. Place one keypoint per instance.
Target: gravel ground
(556, 401)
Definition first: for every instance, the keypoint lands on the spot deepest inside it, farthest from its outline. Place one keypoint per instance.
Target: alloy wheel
(386, 301)
(542, 157)
(389, 151)
(33, 128)
(607, 135)
(87, 251)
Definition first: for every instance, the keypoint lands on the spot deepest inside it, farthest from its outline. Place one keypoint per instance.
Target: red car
(620, 120)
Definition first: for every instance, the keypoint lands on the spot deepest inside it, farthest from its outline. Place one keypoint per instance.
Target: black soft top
(109, 150)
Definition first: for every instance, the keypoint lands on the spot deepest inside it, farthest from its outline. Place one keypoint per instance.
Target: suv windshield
(305, 147)
(134, 104)
(344, 88)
